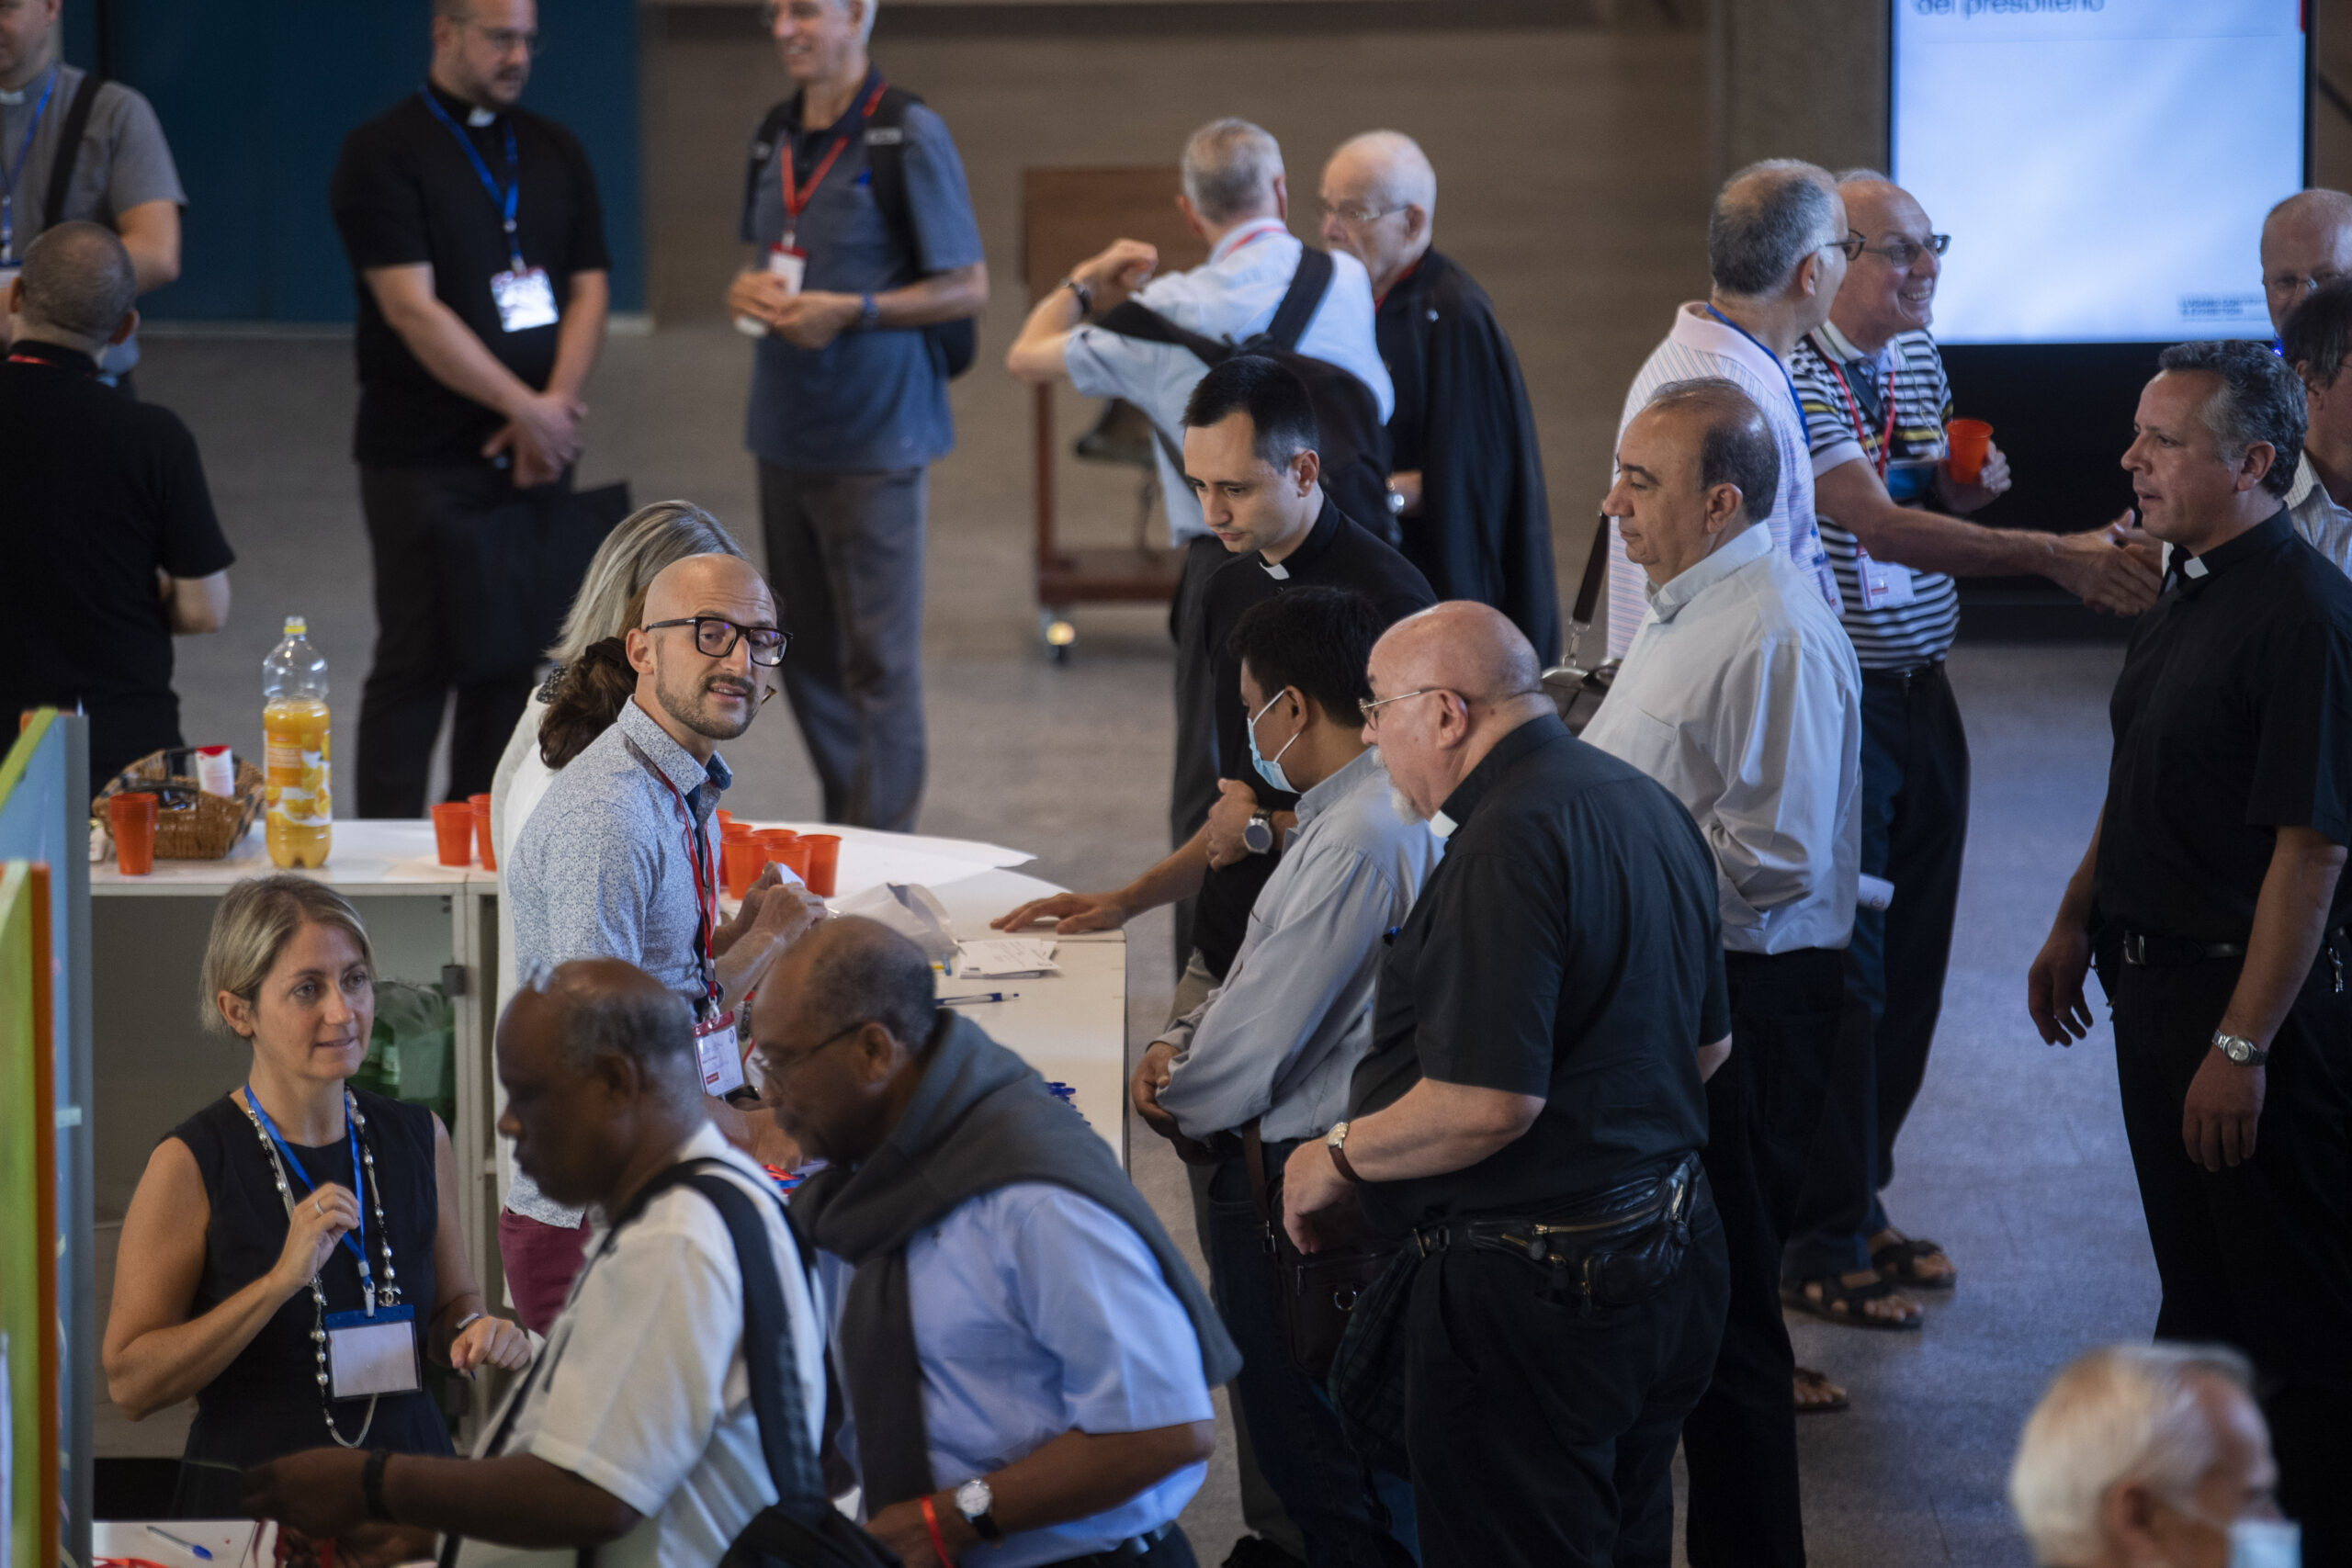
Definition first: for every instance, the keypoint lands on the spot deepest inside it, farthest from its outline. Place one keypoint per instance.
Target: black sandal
(1825, 1407)
(1843, 1305)
(1900, 1260)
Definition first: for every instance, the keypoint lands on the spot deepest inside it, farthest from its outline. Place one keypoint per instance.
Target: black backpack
(802, 1529)
(1351, 440)
(954, 345)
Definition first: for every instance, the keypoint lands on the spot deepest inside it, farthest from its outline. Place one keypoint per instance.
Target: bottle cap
(297, 626)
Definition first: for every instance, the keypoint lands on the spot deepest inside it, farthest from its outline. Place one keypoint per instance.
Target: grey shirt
(601, 871)
(1280, 1038)
(124, 162)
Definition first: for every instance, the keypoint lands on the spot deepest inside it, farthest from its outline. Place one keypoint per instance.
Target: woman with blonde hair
(293, 1249)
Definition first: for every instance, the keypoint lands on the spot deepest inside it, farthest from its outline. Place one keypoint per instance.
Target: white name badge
(525, 298)
(720, 1057)
(790, 262)
(1885, 586)
(368, 1355)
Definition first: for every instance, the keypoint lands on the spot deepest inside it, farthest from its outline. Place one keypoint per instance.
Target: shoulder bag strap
(69, 148)
(1300, 302)
(1596, 573)
(1133, 319)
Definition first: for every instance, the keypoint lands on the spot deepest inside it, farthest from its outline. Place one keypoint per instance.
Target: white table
(431, 922)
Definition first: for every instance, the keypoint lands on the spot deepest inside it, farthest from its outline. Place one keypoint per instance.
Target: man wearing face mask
(1266, 1059)
(2148, 1455)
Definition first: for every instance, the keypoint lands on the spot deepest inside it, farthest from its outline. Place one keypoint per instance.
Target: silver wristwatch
(1395, 499)
(1258, 835)
(974, 1500)
(2241, 1050)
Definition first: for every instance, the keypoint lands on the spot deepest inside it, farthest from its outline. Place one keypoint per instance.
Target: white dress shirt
(2324, 526)
(644, 1392)
(1741, 695)
(1233, 296)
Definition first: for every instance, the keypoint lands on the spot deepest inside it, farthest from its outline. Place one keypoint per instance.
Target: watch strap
(1340, 1159)
(371, 1485)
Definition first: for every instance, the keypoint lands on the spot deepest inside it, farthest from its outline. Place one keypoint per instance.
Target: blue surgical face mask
(2266, 1543)
(1271, 768)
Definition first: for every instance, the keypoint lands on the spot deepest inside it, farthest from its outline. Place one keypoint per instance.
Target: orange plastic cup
(787, 849)
(483, 847)
(726, 818)
(453, 832)
(1966, 441)
(740, 861)
(132, 818)
(824, 862)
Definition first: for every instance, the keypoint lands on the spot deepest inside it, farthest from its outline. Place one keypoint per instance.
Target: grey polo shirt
(601, 871)
(867, 402)
(124, 162)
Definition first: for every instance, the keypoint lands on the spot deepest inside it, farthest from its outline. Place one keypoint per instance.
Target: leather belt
(1134, 1549)
(1905, 679)
(1559, 1237)
(2144, 950)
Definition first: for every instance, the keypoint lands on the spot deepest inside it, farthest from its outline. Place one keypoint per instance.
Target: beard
(689, 703)
(1406, 810)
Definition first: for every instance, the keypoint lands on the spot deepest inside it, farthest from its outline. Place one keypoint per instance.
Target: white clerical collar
(25, 94)
(478, 118)
(1442, 825)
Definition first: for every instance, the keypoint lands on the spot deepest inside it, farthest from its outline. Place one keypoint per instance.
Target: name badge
(373, 1354)
(790, 262)
(721, 1058)
(1909, 479)
(1885, 586)
(525, 298)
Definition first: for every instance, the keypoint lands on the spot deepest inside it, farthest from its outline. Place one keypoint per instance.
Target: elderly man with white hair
(2151, 1456)
(1468, 482)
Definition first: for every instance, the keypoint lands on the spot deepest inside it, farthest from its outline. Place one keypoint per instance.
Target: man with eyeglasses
(1468, 485)
(1871, 384)
(2306, 242)
(620, 861)
(477, 239)
(1777, 248)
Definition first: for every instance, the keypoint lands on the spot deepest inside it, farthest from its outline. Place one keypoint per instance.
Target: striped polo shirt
(1845, 394)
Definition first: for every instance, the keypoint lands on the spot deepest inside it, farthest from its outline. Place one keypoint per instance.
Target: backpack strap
(69, 148)
(1133, 319)
(763, 145)
(1302, 299)
(885, 156)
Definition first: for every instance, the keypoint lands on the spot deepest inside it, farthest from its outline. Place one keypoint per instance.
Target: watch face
(974, 1499)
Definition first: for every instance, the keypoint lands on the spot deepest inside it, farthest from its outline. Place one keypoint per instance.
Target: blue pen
(175, 1541)
(982, 996)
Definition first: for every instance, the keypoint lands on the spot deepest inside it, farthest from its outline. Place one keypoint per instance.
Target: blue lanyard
(358, 1182)
(505, 199)
(1794, 401)
(16, 173)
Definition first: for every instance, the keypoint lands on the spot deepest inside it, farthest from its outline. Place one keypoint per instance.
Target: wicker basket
(189, 824)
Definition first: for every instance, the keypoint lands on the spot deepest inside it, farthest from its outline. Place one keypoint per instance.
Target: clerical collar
(25, 92)
(2268, 533)
(1841, 348)
(1318, 539)
(473, 115)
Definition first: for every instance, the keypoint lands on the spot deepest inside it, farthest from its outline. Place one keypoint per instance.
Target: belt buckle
(2135, 949)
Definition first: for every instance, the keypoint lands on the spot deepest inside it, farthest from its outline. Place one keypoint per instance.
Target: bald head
(1379, 198)
(1464, 647)
(1461, 677)
(2306, 241)
(842, 1022)
(78, 288)
(1388, 169)
(849, 969)
(686, 587)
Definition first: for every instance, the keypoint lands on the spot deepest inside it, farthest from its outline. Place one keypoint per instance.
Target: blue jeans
(1351, 1517)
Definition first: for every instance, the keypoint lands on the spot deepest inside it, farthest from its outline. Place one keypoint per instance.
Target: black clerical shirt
(1463, 420)
(1337, 553)
(2232, 718)
(1567, 946)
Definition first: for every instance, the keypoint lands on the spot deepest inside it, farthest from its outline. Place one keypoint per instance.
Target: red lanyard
(796, 200)
(705, 895)
(1854, 409)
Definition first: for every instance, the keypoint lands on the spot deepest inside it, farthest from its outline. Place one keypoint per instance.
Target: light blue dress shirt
(1038, 1310)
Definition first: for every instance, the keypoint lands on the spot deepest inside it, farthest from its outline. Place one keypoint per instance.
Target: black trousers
(2259, 1256)
(1192, 788)
(414, 670)
(1542, 1438)
(1915, 830)
(1741, 1442)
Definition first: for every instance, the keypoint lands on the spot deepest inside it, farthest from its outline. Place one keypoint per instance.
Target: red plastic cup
(132, 818)
(483, 846)
(453, 832)
(1966, 441)
(740, 861)
(824, 862)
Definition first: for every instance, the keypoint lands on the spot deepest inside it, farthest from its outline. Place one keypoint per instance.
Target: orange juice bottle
(298, 804)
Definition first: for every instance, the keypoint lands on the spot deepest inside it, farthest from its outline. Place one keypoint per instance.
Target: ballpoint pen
(981, 997)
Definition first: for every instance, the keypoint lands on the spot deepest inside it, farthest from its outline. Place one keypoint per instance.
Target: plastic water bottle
(296, 799)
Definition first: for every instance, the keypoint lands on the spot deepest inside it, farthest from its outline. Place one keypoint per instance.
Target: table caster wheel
(1059, 636)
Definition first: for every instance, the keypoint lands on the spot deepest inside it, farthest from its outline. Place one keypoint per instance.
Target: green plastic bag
(412, 1050)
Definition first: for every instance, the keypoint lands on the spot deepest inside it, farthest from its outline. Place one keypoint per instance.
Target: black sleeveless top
(267, 1403)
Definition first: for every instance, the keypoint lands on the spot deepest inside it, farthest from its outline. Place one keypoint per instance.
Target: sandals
(1845, 1304)
(1820, 1381)
(1900, 1260)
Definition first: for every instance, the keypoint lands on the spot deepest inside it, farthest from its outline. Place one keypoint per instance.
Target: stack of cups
(786, 849)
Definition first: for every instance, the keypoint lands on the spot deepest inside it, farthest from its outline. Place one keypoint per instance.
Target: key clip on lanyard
(1854, 409)
(506, 198)
(17, 173)
(796, 200)
(351, 1129)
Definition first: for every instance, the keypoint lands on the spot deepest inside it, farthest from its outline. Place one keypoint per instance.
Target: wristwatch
(1396, 501)
(973, 1500)
(2241, 1050)
(1085, 295)
(371, 1485)
(869, 314)
(1336, 1140)
(1257, 834)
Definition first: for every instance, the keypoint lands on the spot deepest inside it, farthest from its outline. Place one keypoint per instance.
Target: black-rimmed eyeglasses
(1901, 252)
(716, 637)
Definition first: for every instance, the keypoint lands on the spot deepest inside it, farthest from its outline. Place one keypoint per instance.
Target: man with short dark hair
(1740, 695)
(111, 547)
(2306, 244)
(2213, 901)
(2316, 340)
(634, 1430)
(1262, 1064)
(476, 242)
(1025, 1358)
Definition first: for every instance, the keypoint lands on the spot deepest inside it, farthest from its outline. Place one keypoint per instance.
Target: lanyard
(17, 173)
(706, 893)
(37, 359)
(359, 1248)
(1862, 432)
(505, 199)
(1265, 227)
(796, 200)
(1794, 401)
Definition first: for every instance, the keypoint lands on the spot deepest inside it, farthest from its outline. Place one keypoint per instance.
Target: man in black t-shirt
(1544, 1021)
(108, 541)
(474, 231)
(2213, 899)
